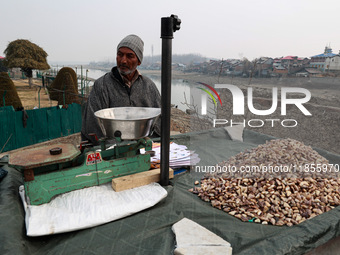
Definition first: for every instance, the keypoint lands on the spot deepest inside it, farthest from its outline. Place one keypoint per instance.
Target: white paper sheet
(179, 155)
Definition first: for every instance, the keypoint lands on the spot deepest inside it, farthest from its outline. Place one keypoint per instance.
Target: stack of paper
(179, 155)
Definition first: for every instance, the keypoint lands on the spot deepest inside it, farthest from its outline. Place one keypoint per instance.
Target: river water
(180, 89)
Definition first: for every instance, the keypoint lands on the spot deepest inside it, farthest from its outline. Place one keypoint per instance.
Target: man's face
(127, 61)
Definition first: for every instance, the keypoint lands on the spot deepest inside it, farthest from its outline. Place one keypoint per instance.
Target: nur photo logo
(240, 101)
(204, 97)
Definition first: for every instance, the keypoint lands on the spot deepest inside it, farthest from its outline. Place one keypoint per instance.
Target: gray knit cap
(134, 43)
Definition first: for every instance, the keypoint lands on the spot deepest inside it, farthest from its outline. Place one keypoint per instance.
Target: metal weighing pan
(132, 122)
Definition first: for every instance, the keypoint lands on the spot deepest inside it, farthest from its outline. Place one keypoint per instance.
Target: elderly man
(124, 86)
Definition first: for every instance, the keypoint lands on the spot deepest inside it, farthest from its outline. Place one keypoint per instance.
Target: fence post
(3, 98)
(39, 96)
(81, 81)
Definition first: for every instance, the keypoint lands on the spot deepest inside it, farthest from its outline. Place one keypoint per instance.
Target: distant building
(313, 72)
(264, 66)
(279, 69)
(289, 61)
(293, 64)
(319, 61)
(333, 63)
(178, 66)
(216, 67)
(276, 62)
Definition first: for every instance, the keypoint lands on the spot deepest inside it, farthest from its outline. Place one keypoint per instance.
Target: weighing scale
(52, 170)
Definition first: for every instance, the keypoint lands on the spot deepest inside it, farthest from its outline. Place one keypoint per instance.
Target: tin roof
(289, 57)
(324, 55)
(327, 53)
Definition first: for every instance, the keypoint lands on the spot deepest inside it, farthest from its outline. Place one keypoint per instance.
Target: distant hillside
(185, 59)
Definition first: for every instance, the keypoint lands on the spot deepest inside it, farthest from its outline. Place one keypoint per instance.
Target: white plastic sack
(87, 208)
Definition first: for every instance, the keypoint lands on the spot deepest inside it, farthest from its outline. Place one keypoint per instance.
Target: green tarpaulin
(149, 231)
(23, 128)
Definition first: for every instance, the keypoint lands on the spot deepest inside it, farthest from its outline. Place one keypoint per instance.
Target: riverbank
(324, 90)
(320, 130)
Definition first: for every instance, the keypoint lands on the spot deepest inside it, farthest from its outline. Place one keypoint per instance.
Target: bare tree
(198, 122)
(220, 71)
(252, 69)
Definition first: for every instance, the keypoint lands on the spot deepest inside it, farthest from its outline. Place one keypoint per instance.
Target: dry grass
(25, 54)
(8, 92)
(30, 96)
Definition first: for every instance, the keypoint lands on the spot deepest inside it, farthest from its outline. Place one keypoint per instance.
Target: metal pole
(64, 97)
(77, 78)
(3, 98)
(85, 86)
(39, 96)
(81, 81)
(168, 26)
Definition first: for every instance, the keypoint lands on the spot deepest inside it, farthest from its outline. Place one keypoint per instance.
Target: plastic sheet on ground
(149, 231)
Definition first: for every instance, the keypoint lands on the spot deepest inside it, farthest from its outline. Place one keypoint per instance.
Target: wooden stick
(3, 147)
(138, 179)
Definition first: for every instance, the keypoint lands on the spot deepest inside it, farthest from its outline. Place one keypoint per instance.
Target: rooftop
(327, 53)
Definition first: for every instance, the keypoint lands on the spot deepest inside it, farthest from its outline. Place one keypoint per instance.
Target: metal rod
(39, 96)
(81, 80)
(3, 98)
(167, 29)
(64, 97)
(166, 100)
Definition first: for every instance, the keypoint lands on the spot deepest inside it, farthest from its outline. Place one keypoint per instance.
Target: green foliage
(8, 89)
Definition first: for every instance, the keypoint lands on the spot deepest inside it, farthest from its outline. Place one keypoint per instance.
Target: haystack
(11, 97)
(26, 55)
(65, 82)
(70, 94)
(3, 68)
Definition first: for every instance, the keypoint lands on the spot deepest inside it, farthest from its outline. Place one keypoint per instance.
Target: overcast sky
(89, 30)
